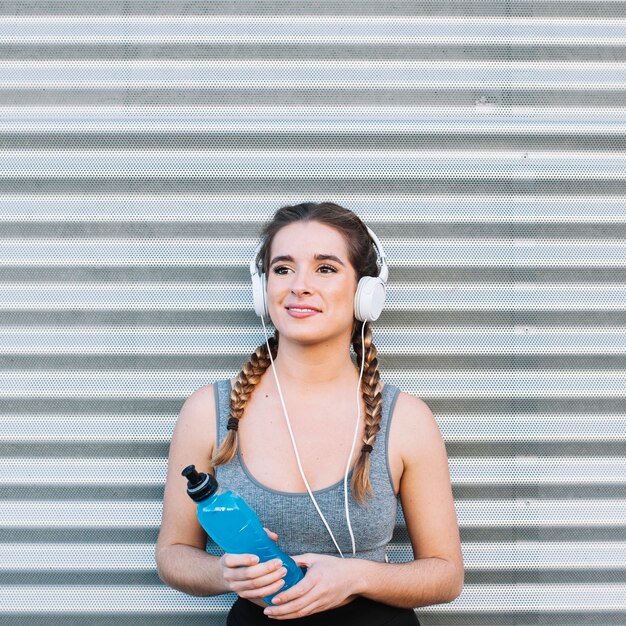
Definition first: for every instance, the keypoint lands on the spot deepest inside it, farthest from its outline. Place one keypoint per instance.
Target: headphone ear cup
(369, 298)
(259, 294)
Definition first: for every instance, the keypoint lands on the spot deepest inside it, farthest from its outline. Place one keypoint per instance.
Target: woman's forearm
(190, 570)
(410, 585)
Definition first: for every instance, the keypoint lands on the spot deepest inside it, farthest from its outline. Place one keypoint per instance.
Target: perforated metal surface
(143, 145)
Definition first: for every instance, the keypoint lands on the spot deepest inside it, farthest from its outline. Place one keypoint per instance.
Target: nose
(300, 291)
(300, 285)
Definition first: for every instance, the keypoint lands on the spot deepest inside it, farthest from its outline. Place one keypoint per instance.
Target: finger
(262, 569)
(293, 593)
(271, 568)
(293, 610)
(272, 535)
(304, 559)
(260, 587)
(239, 560)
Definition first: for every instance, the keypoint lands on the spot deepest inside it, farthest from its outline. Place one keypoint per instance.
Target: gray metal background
(143, 144)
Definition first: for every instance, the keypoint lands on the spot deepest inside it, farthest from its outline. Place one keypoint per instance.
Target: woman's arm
(436, 575)
(182, 562)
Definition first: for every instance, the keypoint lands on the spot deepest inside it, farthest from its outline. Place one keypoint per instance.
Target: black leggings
(360, 612)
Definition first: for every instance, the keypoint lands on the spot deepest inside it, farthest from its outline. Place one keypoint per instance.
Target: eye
(280, 269)
(327, 269)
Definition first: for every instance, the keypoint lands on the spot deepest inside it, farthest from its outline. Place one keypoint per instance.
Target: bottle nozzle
(199, 484)
(191, 474)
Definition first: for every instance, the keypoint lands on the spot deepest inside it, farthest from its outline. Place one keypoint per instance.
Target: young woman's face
(310, 283)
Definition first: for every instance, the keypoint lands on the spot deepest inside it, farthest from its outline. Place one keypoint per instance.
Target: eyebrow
(317, 257)
(329, 257)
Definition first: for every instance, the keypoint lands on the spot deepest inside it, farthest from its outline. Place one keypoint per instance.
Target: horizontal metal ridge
(520, 470)
(237, 252)
(577, 8)
(548, 597)
(83, 556)
(81, 514)
(311, 74)
(478, 556)
(480, 118)
(160, 599)
(216, 340)
(90, 599)
(244, 208)
(479, 124)
(526, 512)
(237, 296)
(125, 514)
(456, 428)
(516, 383)
(307, 29)
(581, 95)
(87, 427)
(71, 471)
(285, 164)
(483, 471)
(539, 427)
(543, 555)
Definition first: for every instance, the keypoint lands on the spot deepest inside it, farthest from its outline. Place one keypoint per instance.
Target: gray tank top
(293, 516)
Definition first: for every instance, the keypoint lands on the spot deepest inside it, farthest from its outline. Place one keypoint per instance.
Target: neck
(315, 366)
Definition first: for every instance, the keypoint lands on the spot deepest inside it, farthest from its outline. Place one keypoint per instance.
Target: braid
(245, 383)
(372, 396)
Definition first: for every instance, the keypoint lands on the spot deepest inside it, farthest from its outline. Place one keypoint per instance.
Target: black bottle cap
(199, 484)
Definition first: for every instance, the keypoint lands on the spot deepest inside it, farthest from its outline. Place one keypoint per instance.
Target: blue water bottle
(234, 526)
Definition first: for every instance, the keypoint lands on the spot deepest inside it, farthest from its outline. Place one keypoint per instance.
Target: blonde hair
(363, 259)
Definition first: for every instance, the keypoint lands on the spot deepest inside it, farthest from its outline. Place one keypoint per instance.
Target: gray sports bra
(293, 516)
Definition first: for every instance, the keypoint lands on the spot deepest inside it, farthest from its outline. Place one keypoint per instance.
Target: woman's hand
(329, 582)
(243, 574)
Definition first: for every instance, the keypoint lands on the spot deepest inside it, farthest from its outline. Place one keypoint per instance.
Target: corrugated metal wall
(143, 144)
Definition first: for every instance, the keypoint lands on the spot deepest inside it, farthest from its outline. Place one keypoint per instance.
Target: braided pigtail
(245, 383)
(372, 396)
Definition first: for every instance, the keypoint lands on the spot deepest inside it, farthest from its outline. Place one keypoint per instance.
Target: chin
(303, 336)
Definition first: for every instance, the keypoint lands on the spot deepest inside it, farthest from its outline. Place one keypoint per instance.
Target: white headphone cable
(295, 448)
(356, 431)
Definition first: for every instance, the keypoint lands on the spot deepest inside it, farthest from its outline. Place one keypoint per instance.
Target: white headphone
(368, 299)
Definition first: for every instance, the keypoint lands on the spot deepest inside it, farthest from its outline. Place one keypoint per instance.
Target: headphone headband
(383, 274)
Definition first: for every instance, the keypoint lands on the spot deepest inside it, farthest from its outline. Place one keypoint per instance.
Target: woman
(312, 257)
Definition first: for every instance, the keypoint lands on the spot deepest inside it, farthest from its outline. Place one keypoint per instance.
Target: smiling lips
(302, 311)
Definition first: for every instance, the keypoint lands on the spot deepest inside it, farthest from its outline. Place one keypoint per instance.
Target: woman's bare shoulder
(200, 401)
(196, 420)
(411, 408)
(414, 424)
